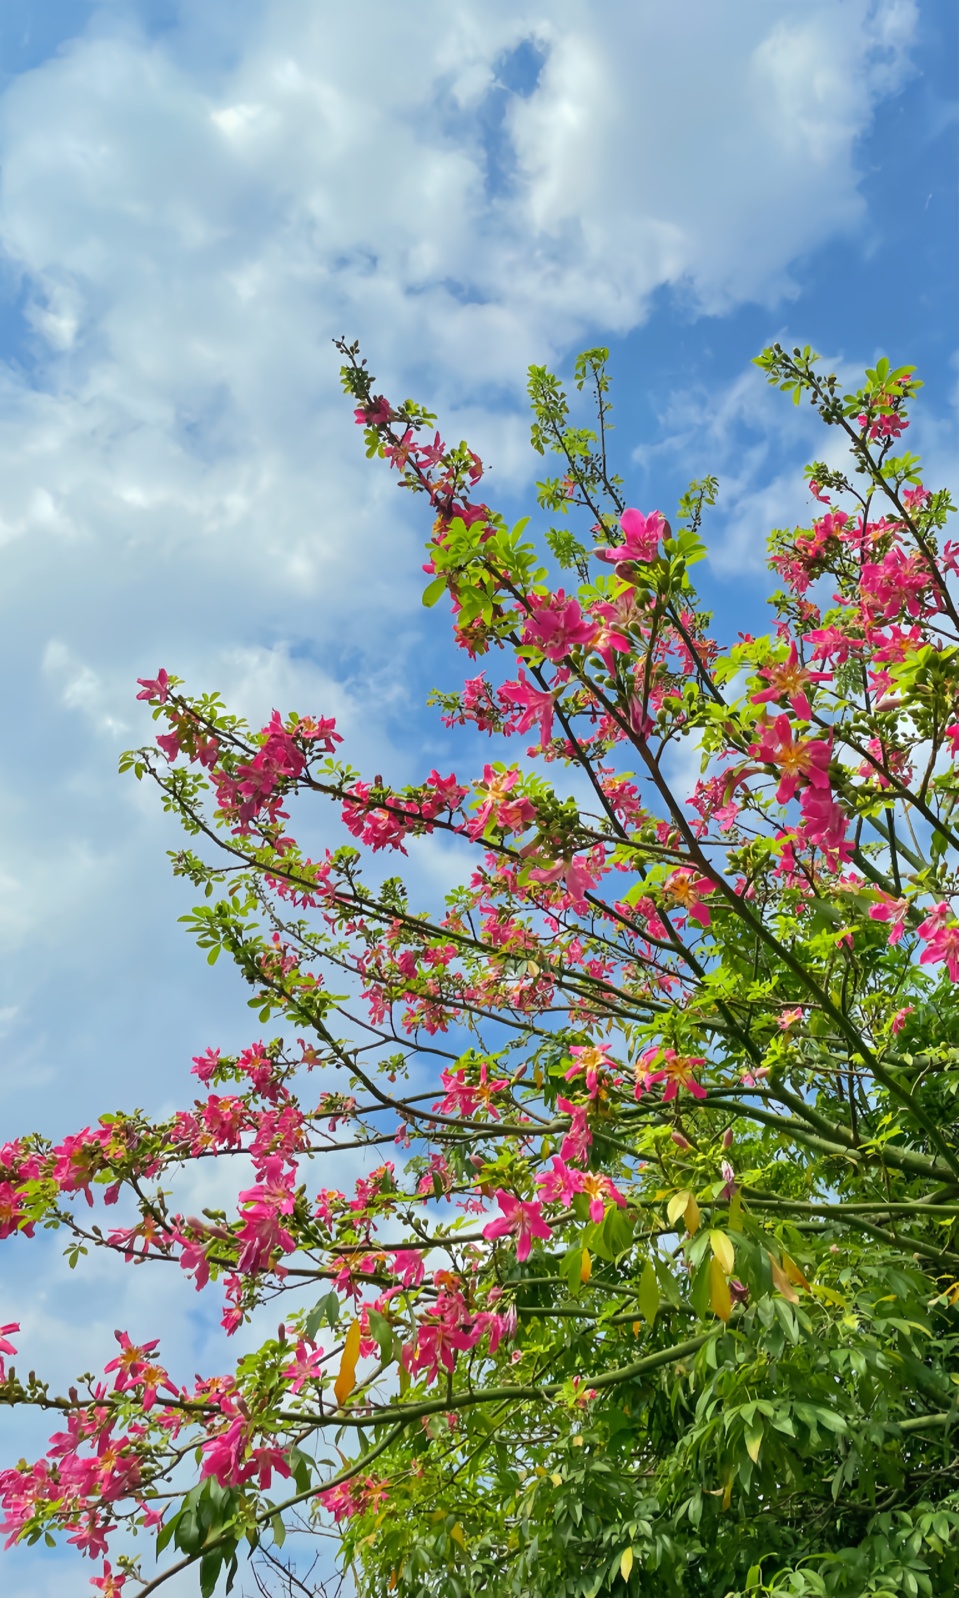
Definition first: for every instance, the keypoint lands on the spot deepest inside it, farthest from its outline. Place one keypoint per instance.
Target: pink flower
(899, 1019)
(262, 1233)
(561, 1184)
(900, 582)
(825, 823)
(204, 1065)
(577, 1141)
(6, 1348)
(941, 940)
(558, 626)
(831, 644)
(498, 804)
(676, 1070)
(222, 1455)
(408, 1266)
(108, 1583)
(577, 877)
(789, 1018)
(156, 687)
(806, 758)
(894, 910)
(600, 1188)
(539, 706)
(522, 1220)
(730, 1185)
(787, 680)
(686, 889)
(11, 1211)
(376, 414)
(594, 1061)
(353, 1498)
(463, 1098)
(641, 542)
(307, 1366)
(193, 1258)
(129, 1362)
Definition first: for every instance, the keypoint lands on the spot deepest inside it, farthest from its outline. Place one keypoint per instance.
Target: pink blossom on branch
(801, 759)
(5, 1346)
(787, 680)
(558, 626)
(561, 1184)
(519, 1220)
(641, 538)
(576, 875)
(577, 1142)
(538, 706)
(157, 687)
(687, 889)
(676, 1070)
(894, 910)
(825, 824)
(940, 933)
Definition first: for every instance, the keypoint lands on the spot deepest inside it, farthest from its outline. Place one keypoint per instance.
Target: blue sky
(193, 200)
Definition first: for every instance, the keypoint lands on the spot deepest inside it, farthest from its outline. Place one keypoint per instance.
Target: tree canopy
(648, 1283)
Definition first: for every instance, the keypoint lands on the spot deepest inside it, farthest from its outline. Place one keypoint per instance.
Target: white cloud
(189, 239)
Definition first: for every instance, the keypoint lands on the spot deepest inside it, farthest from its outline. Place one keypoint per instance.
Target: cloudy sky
(194, 199)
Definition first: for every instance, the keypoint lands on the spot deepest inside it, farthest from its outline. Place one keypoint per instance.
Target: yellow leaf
(457, 1536)
(677, 1205)
(722, 1250)
(793, 1272)
(782, 1283)
(538, 1076)
(637, 1325)
(719, 1291)
(586, 1269)
(736, 1213)
(692, 1216)
(346, 1380)
(728, 1492)
(557, 1481)
(626, 1563)
(754, 1438)
(827, 1294)
(648, 1294)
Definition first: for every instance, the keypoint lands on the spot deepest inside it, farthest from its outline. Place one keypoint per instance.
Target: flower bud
(728, 1138)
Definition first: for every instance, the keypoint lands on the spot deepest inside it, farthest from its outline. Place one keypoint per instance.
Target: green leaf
(383, 1332)
(210, 1566)
(572, 1268)
(433, 591)
(648, 1294)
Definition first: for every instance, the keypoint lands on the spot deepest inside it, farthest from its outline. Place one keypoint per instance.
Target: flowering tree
(654, 1287)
